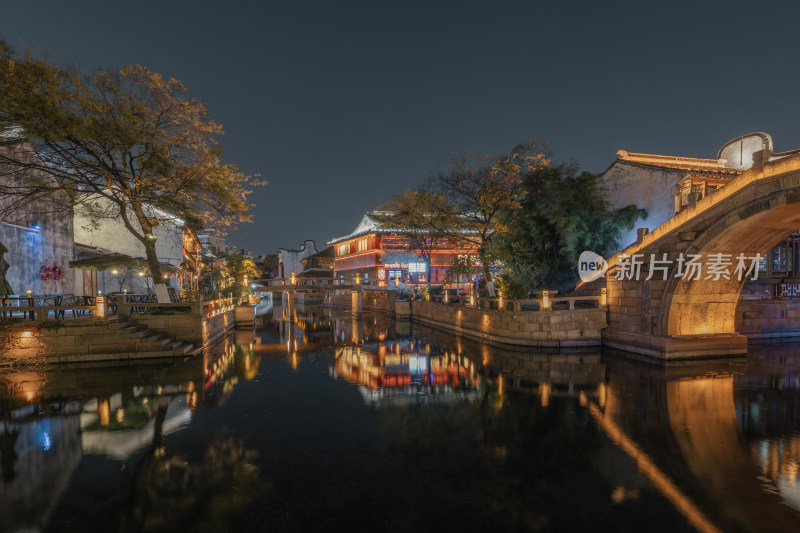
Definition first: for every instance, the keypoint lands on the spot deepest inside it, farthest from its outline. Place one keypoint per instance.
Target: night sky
(340, 104)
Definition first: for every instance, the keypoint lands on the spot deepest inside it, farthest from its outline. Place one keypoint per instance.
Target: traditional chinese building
(373, 252)
(666, 185)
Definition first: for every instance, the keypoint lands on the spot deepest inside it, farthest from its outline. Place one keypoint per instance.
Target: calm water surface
(331, 424)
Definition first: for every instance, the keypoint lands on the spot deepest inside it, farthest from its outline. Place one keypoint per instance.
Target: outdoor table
(31, 301)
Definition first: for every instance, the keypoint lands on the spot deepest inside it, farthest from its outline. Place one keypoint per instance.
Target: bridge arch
(765, 215)
(674, 317)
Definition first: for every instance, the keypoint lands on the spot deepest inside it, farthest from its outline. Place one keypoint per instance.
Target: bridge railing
(566, 303)
(322, 282)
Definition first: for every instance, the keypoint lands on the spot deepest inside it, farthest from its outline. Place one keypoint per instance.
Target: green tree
(241, 269)
(562, 214)
(126, 144)
(486, 192)
(271, 262)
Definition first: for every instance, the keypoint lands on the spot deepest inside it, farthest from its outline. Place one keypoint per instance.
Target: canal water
(326, 423)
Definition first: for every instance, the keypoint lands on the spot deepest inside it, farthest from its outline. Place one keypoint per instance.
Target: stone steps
(115, 340)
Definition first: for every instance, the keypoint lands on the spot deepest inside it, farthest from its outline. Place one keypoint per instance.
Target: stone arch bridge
(685, 316)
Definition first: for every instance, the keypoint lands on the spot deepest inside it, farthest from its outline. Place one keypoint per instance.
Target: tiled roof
(690, 164)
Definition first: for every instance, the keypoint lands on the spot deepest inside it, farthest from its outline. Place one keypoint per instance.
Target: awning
(106, 261)
(117, 260)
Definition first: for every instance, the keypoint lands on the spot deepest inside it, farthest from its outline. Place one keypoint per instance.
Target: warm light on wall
(603, 297)
(545, 299)
(292, 279)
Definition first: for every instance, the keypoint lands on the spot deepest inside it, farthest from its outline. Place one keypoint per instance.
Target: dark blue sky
(340, 104)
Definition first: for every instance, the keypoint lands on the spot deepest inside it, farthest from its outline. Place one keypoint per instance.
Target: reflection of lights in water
(29, 395)
(544, 390)
(294, 361)
(46, 442)
(500, 385)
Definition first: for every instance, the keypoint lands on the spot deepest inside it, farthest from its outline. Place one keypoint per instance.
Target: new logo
(591, 266)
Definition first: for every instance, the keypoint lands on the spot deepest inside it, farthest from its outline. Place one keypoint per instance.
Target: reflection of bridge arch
(750, 215)
(652, 412)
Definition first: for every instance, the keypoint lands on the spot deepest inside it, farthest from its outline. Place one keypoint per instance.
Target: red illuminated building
(372, 252)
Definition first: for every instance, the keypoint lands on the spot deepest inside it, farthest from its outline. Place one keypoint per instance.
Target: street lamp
(208, 255)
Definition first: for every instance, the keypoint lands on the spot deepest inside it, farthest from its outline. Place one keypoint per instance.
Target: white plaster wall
(28, 249)
(293, 259)
(738, 153)
(625, 184)
(112, 234)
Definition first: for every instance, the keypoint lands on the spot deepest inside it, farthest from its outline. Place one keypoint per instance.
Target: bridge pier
(290, 305)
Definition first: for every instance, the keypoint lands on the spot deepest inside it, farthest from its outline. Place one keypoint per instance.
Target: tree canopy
(127, 144)
(516, 209)
(562, 213)
(486, 193)
(422, 216)
(241, 269)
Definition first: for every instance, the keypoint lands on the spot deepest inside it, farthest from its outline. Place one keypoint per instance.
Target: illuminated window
(343, 249)
(782, 258)
(362, 245)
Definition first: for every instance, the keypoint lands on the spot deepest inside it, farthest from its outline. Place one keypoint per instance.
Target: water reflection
(321, 421)
(405, 370)
(54, 419)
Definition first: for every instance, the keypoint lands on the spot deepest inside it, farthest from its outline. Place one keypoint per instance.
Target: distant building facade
(291, 261)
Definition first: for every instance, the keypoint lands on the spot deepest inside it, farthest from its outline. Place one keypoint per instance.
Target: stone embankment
(541, 323)
(545, 322)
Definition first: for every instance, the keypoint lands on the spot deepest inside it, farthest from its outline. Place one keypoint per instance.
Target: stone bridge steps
(114, 340)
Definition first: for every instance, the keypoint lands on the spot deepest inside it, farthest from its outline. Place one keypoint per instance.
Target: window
(343, 249)
(362, 245)
(782, 258)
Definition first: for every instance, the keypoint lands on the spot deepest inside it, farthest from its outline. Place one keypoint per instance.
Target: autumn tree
(126, 144)
(486, 193)
(422, 217)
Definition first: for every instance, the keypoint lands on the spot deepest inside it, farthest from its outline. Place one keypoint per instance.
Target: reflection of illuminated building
(401, 369)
